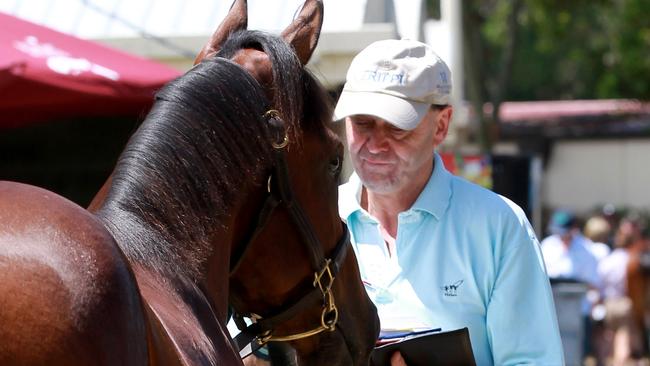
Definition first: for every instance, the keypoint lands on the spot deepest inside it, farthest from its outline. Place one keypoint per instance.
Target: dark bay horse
(226, 194)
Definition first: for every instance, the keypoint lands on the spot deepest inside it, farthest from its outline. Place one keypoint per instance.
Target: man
(435, 250)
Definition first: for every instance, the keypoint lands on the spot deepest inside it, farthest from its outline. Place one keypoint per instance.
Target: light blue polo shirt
(465, 257)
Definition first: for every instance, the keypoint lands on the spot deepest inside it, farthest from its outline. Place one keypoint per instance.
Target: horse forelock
(291, 89)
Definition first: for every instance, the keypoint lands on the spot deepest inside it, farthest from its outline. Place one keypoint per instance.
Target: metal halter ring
(329, 317)
(283, 144)
(275, 114)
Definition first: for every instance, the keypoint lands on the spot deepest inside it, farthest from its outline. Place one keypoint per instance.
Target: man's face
(387, 158)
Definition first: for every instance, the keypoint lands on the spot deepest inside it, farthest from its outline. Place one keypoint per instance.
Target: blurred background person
(622, 338)
(566, 251)
(568, 258)
(598, 230)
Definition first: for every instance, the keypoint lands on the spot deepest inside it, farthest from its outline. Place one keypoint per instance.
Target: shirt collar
(350, 197)
(436, 194)
(433, 199)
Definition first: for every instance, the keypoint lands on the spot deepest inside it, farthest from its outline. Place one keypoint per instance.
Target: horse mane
(205, 138)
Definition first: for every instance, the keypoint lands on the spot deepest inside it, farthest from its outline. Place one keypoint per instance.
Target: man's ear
(443, 119)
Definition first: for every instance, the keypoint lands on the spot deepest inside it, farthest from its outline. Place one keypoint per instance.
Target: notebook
(427, 348)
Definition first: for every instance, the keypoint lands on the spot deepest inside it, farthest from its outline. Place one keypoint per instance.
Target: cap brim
(399, 112)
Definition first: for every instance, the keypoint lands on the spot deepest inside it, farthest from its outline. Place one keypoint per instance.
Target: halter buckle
(330, 316)
(318, 276)
(264, 338)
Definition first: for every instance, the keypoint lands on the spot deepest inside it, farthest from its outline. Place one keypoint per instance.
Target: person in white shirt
(566, 252)
(568, 258)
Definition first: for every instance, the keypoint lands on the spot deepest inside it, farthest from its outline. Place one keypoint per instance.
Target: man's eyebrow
(362, 118)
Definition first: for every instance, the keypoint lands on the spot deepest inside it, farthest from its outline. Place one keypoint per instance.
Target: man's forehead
(368, 118)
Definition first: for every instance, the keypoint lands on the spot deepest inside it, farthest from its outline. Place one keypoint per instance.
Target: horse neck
(208, 282)
(185, 313)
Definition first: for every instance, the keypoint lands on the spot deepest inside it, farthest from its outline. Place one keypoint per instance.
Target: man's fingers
(397, 360)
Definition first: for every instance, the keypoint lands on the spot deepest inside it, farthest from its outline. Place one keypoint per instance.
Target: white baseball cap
(395, 80)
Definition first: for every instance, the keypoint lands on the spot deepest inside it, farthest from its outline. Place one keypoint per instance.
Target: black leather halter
(280, 192)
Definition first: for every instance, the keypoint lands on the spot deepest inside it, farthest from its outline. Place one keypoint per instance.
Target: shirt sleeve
(521, 320)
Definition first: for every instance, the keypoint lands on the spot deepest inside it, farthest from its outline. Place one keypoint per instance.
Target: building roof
(575, 118)
(547, 111)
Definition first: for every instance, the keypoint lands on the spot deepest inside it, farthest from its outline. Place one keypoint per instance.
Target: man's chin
(378, 183)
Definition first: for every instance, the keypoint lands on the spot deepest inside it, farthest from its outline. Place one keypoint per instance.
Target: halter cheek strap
(280, 192)
(260, 331)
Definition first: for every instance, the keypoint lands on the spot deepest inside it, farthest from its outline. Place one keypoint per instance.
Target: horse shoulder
(67, 295)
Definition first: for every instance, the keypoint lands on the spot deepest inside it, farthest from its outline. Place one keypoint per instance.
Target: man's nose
(378, 141)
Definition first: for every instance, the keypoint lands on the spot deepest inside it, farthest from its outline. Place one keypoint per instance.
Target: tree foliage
(554, 49)
(581, 49)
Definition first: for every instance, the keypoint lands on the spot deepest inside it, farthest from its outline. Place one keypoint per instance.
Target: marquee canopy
(46, 75)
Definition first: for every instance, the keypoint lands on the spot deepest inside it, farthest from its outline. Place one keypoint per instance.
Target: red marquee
(46, 75)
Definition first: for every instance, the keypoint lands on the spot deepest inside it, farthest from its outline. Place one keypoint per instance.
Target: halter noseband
(280, 192)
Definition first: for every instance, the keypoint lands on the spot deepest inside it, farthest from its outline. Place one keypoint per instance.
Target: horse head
(293, 270)
(225, 195)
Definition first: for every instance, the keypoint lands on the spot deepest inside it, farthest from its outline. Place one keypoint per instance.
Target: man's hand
(252, 360)
(397, 360)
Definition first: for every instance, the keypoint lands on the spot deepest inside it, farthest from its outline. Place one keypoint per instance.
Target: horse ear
(304, 32)
(237, 19)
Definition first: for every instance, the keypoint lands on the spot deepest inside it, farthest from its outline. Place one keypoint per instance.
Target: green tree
(553, 49)
(488, 72)
(581, 50)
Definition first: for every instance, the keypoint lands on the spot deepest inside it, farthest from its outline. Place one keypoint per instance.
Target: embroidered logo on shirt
(452, 290)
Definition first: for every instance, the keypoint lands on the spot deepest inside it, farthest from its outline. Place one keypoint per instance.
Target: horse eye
(335, 165)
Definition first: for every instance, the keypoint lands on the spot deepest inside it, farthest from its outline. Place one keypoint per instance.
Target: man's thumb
(397, 360)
